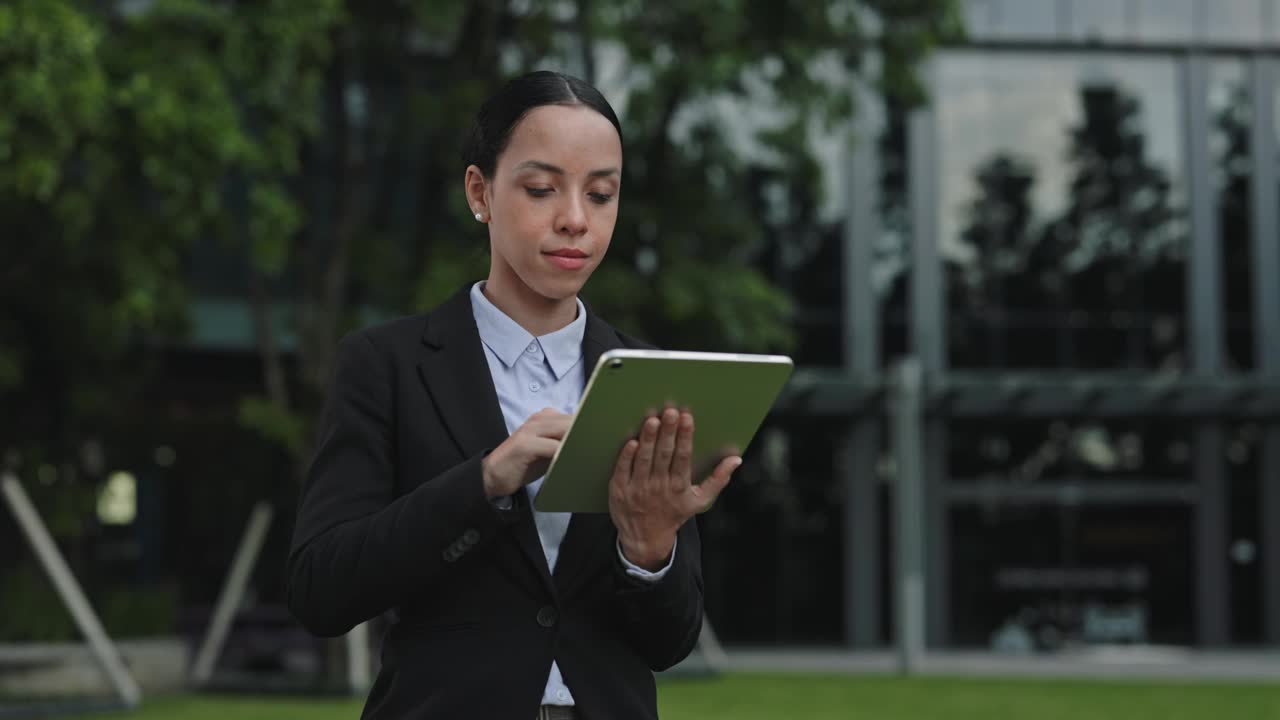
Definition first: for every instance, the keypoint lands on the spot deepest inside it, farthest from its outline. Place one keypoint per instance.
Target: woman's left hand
(652, 494)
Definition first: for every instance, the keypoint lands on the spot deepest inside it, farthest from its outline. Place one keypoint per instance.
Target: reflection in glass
(1235, 21)
(1229, 149)
(1030, 18)
(1062, 219)
(1037, 452)
(1102, 19)
(1049, 576)
(1167, 20)
(1011, 18)
(892, 251)
(1245, 532)
(788, 506)
(980, 17)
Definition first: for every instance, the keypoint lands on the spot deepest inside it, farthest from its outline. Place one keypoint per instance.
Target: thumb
(707, 492)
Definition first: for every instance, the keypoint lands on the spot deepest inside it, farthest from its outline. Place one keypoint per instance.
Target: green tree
(314, 142)
(699, 220)
(317, 140)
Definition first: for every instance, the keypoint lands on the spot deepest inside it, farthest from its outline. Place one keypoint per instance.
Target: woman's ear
(476, 187)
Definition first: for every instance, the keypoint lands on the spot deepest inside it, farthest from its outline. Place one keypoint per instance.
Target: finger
(682, 463)
(555, 426)
(622, 472)
(622, 468)
(706, 493)
(644, 453)
(666, 446)
(548, 422)
(540, 450)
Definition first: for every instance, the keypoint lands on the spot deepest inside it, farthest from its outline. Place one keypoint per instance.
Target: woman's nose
(572, 219)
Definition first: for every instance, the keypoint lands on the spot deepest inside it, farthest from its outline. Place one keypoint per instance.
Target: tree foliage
(315, 142)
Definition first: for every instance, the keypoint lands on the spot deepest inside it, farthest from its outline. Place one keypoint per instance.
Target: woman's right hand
(526, 455)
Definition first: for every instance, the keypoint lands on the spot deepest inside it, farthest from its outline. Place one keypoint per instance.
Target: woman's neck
(531, 311)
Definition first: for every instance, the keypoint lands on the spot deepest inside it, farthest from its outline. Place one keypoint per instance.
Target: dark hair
(499, 115)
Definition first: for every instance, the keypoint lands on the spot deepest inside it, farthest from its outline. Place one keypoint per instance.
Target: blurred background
(1064, 212)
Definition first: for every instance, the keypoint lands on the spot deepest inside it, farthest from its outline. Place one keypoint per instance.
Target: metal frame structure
(1265, 81)
(1205, 397)
(72, 596)
(861, 519)
(232, 594)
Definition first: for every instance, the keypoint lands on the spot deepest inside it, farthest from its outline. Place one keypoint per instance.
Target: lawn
(751, 696)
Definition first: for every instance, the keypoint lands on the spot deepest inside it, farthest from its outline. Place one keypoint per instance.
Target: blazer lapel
(589, 533)
(456, 374)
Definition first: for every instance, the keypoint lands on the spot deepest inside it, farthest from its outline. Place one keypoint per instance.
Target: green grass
(815, 697)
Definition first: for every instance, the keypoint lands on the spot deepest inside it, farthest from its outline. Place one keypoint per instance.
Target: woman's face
(553, 200)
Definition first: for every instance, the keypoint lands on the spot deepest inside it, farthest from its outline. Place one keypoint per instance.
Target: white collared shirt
(531, 373)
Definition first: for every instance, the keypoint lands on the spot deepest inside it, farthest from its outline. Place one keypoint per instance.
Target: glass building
(1077, 239)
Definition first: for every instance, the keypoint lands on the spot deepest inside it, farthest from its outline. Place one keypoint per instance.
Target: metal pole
(929, 345)
(909, 559)
(69, 590)
(359, 672)
(861, 512)
(1266, 314)
(255, 534)
(712, 652)
(1206, 348)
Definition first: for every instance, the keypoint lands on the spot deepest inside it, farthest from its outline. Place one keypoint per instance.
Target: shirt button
(535, 386)
(532, 349)
(562, 695)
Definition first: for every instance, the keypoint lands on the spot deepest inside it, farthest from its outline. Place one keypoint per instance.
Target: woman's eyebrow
(548, 167)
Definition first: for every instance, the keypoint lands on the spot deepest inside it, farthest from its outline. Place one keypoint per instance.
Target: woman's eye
(538, 192)
(601, 198)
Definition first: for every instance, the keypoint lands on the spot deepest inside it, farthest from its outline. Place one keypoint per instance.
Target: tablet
(729, 395)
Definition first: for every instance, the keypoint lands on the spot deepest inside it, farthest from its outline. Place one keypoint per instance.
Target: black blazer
(394, 519)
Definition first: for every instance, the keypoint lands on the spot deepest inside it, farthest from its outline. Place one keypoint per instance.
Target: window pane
(1062, 221)
(1167, 20)
(980, 17)
(1244, 445)
(1229, 115)
(788, 506)
(1031, 453)
(1030, 18)
(1010, 19)
(1234, 21)
(1102, 19)
(1048, 577)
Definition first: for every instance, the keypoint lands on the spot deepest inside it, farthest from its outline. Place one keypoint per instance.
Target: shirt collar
(507, 340)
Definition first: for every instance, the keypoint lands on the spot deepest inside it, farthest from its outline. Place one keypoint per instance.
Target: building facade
(1077, 239)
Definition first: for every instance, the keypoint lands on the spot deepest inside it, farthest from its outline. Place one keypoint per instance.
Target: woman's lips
(568, 259)
(566, 262)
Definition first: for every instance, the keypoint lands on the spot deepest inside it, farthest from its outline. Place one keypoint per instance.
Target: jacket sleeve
(662, 619)
(358, 550)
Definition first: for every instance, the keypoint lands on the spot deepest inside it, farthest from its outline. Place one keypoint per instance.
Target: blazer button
(548, 616)
(471, 537)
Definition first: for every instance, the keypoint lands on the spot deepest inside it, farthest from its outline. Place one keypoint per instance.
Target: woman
(438, 429)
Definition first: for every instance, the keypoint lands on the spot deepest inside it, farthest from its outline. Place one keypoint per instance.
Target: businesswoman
(437, 431)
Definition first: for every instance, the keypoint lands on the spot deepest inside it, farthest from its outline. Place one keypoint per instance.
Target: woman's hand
(651, 494)
(525, 455)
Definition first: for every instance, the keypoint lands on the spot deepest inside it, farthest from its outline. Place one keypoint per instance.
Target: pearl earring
(479, 217)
